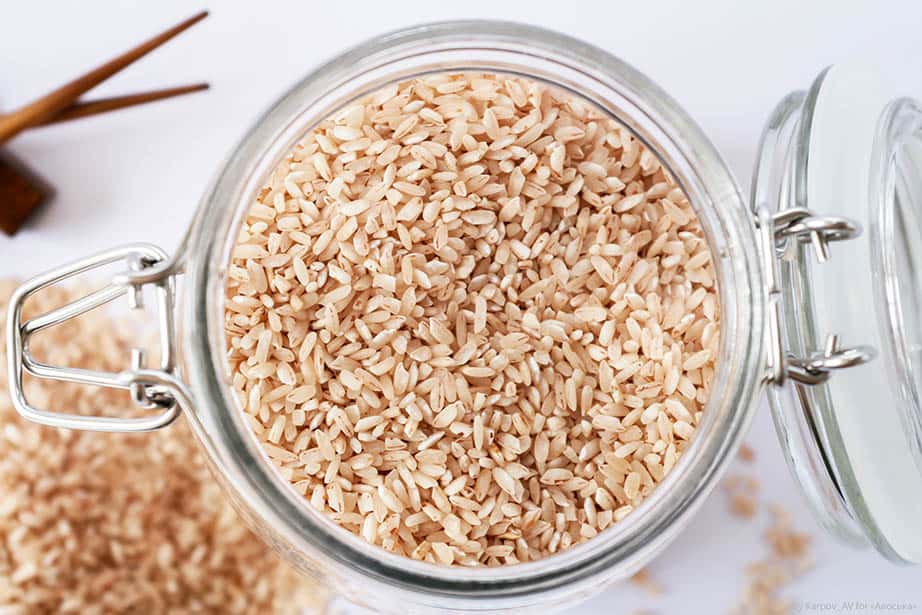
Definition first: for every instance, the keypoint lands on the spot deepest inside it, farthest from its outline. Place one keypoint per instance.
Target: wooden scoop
(21, 191)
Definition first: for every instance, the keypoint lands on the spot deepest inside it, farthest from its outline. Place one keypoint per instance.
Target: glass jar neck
(278, 513)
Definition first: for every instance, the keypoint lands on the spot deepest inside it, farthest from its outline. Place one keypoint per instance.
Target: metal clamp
(817, 368)
(799, 223)
(803, 226)
(161, 389)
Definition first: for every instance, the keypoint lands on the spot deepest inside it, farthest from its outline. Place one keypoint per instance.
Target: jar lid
(843, 163)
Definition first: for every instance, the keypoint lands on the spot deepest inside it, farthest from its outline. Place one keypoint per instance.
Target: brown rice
(94, 523)
(472, 319)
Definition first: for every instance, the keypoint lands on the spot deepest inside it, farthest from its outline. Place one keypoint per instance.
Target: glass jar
(816, 183)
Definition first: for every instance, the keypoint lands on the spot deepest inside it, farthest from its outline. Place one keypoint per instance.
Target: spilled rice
(95, 523)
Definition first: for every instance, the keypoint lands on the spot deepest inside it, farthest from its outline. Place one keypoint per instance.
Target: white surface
(138, 175)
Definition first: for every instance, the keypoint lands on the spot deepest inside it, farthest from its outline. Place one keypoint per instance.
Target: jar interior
(560, 103)
(656, 121)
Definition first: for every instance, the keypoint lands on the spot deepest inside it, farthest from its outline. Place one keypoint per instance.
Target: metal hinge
(158, 389)
(801, 225)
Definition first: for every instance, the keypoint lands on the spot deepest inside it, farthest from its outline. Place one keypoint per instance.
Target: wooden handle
(94, 107)
(47, 106)
(21, 193)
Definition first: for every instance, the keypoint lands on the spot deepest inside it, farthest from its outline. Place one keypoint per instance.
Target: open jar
(828, 331)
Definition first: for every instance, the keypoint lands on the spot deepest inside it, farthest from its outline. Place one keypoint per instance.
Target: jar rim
(897, 182)
(635, 101)
(780, 183)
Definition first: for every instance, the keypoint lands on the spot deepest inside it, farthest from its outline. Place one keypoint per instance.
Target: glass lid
(837, 195)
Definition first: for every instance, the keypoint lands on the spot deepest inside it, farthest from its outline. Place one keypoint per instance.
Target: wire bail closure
(150, 388)
(801, 225)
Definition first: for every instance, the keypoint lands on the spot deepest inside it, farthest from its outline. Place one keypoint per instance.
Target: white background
(137, 175)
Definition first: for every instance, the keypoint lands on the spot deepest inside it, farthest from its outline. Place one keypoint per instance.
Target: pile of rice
(114, 523)
(472, 319)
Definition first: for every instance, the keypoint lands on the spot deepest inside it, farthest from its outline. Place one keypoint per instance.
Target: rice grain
(494, 311)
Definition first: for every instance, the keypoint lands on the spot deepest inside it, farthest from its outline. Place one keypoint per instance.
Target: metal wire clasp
(800, 224)
(150, 388)
(803, 226)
